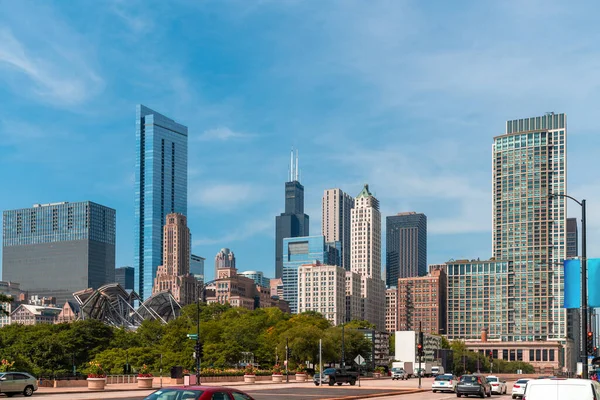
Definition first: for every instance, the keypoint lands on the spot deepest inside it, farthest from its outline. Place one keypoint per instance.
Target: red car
(198, 393)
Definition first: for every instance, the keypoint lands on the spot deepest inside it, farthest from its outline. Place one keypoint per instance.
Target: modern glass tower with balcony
(160, 189)
(529, 229)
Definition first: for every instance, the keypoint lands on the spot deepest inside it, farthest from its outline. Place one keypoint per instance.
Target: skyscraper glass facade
(160, 188)
(299, 251)
(59, 248)
(406, 247)
(480, 296)
(529, 162)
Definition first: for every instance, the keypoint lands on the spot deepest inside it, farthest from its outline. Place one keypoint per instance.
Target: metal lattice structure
(114, 306)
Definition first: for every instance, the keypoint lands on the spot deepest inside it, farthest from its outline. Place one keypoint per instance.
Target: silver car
(12, 383)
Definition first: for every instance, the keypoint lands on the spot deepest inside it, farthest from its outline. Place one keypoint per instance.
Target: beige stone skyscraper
(365, 256)
(174, 274)
(336, 221)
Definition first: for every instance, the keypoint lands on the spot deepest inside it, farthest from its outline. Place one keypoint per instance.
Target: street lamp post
(197, 347)
(584, 307)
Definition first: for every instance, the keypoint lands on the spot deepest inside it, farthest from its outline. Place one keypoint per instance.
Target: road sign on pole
(359, 360)
(192, 336)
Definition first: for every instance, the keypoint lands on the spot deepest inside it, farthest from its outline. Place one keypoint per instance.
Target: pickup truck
(332, 376)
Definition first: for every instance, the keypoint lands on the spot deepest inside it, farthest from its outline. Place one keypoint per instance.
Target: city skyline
(376, 115)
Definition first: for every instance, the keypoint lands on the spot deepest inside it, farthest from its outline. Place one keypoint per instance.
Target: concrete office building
(422, 302)
(293, 222)
(174, 273)
(391, 309)
(365, 256)
(322, 288)
(161, 173)
(336, 222)
(57, 249)
(197, 267)
(406, 246)
(353, 297)
(12, 289)
(125, 277)
(529, 229)
(276, 285)
(299, 251)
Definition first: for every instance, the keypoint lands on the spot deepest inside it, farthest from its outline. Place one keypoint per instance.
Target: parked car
(474, 384)
(498, 385)
(331, 376)
(12, 383)
(399, 374)
(518, 389)
(444, 383)
(562, 389)
(198, 393)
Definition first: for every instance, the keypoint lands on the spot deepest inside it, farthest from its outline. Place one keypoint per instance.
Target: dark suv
(473, 385)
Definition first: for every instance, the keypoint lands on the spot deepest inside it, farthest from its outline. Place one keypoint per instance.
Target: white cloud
(224, 196)
(247, 230)
(222, 134)
(57, 75)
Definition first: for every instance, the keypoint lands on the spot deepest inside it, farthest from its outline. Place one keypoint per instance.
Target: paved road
(302, 392)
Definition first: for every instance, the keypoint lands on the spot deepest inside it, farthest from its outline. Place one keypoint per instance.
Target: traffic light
(491, 357)
(420, 349)
(590, 343)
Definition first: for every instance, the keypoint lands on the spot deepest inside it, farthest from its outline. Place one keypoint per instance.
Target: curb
(374, 395)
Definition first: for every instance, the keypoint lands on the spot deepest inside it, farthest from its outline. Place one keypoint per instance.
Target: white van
(562, 389)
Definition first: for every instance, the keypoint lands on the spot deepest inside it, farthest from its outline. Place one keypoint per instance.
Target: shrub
(276, 369)
(144, 372)
(249, 370)
(95, 370)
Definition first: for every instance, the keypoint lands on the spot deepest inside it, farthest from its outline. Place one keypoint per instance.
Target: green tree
(4, 300)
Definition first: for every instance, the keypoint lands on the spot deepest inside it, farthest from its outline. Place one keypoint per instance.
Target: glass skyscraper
(160, 189)
(57, 249)
(293, 222)
(303, 250)
(529, 229)
(406, 247)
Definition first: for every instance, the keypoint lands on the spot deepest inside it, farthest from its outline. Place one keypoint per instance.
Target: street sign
(359, 360)
(193, 336)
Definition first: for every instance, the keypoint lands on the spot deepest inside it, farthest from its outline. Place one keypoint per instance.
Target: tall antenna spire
(292, 165)
(296, 170)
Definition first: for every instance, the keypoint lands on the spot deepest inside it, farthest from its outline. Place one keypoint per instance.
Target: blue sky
(404, 95)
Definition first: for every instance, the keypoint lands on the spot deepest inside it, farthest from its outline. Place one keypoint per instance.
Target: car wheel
(458, 394)
(434, 391)
(340, 383)
(28, 391)
(331, 382)
(353, 382)
(316, 383)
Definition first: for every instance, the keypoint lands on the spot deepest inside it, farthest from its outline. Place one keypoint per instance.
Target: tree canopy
(227, 336)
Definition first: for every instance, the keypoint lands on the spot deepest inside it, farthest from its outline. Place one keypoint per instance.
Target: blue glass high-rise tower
(160, 188)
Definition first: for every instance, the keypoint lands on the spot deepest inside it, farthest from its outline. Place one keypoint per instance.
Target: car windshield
(397, 370)
(522, 381)
(468, 378)
(172, 394)
(443, 378)
(492, 379)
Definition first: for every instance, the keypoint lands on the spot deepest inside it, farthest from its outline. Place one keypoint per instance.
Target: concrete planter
(96, 383)
(145, 382)
(301, 377)
(376, 375)
(277, 378)
(249, 378)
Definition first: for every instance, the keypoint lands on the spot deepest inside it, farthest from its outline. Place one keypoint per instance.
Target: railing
(112, 379)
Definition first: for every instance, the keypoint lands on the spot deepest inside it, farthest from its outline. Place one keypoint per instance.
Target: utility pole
(343, 363)
(420, 351)
(198, 337)
(320, 361)
(287, 347)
